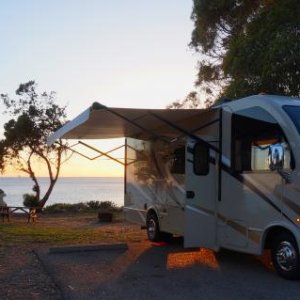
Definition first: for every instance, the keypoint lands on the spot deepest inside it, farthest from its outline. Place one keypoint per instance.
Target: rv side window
(178, 161)
(201, 159)
(254, 130)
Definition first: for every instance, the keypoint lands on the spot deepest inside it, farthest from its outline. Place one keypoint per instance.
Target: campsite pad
(162, 271)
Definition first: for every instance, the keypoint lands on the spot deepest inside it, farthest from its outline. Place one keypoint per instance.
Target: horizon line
(63, 177)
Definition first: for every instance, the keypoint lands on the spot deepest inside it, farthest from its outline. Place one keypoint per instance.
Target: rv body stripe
(296, 189)
(140, 212)
(253, 236)
(198, 209)
(291, 204)
(254, 189)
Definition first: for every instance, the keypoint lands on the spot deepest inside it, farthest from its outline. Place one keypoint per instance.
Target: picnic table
(7, 211)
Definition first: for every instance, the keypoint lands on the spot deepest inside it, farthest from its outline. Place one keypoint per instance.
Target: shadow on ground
(166, 271)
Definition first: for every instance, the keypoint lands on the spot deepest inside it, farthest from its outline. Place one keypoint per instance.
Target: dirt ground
(143, 271)
(23, 276)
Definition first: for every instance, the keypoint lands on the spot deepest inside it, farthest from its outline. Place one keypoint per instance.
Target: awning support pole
(184, 131)
(103, 153)
(198, 128)
(136, 124)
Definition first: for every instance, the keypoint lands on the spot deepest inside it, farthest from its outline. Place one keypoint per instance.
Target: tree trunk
(43, 201)
(52, 178)
(31, 173)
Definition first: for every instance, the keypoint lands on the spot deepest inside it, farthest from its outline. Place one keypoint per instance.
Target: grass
(24, 233)
(69, 228)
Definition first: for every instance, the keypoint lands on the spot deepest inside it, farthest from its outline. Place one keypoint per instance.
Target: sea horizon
(66, 190)
(20, 176)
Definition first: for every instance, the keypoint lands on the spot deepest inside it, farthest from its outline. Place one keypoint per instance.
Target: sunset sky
(120, 53)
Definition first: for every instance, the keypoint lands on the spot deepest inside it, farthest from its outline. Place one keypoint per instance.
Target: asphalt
(163, 271)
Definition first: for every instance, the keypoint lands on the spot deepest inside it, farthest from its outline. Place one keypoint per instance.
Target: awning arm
(185, 132)
(101, 153)
(197, 129)
(106, 154)
(100, 106)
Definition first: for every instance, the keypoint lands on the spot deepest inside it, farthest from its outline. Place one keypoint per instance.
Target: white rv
(225, 177)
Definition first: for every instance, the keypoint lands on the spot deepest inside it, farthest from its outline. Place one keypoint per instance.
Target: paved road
(158, 271)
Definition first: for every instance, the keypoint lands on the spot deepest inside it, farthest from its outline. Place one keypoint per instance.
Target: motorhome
(224, 177)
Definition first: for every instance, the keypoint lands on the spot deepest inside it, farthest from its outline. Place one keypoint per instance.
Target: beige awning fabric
(101, 122)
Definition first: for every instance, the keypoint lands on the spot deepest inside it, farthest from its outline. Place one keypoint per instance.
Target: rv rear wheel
(285, 256)
(153, 231)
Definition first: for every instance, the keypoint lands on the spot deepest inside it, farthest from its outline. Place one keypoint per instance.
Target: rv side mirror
(276, 157)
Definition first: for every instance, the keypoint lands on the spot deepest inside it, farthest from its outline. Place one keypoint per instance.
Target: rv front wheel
(285, 256)
(153, 231)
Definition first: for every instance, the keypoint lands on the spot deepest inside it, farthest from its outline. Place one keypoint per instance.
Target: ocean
(66, 190)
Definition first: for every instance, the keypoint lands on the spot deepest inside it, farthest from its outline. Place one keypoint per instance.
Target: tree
(34, 117)
(247, 46)
(190, 101)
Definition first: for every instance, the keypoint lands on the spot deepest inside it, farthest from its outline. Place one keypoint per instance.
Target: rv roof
(101, 122)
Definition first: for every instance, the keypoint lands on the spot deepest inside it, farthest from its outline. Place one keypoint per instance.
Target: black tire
(153, 231)
(285, 256)
(166, 237)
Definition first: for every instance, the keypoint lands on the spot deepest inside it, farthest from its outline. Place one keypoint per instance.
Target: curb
(88, 248)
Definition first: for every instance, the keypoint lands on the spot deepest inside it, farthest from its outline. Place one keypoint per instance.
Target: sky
(131, 53)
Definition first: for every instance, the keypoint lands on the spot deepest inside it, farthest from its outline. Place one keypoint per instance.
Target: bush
(94, 204)
(30, 200)
(107, 205)
(66, 207)
(82, 207)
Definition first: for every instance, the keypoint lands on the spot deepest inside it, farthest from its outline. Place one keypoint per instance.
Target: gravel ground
(22, 275)
(143, 271)
(159, 271)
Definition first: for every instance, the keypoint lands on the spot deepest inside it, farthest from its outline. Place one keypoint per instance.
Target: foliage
(247, 46)
(94, 204)
(30, 200)
(190, 101)
(101, 205)
(107, 205)
(66, 207)
(81, 207)
(34, 117)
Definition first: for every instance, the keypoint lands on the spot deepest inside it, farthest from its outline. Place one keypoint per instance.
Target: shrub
(107, 205)
(66, 207)
(30, 200)
(82, 207)
(94, 204)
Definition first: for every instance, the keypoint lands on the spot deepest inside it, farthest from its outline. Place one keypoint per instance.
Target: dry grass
(61, 229)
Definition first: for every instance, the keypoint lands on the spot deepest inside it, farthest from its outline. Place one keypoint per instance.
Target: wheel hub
(151, 228)
(286, 256)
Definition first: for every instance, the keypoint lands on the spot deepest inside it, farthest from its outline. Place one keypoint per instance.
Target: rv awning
(101, 122)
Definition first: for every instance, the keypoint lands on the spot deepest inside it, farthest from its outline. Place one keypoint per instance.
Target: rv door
(201, 187)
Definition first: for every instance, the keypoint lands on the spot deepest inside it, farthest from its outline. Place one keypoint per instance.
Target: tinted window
(253, 131)
(178, 161)
(201, 159)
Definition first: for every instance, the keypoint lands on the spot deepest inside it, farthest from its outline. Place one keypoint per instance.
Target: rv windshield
(294, 113)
